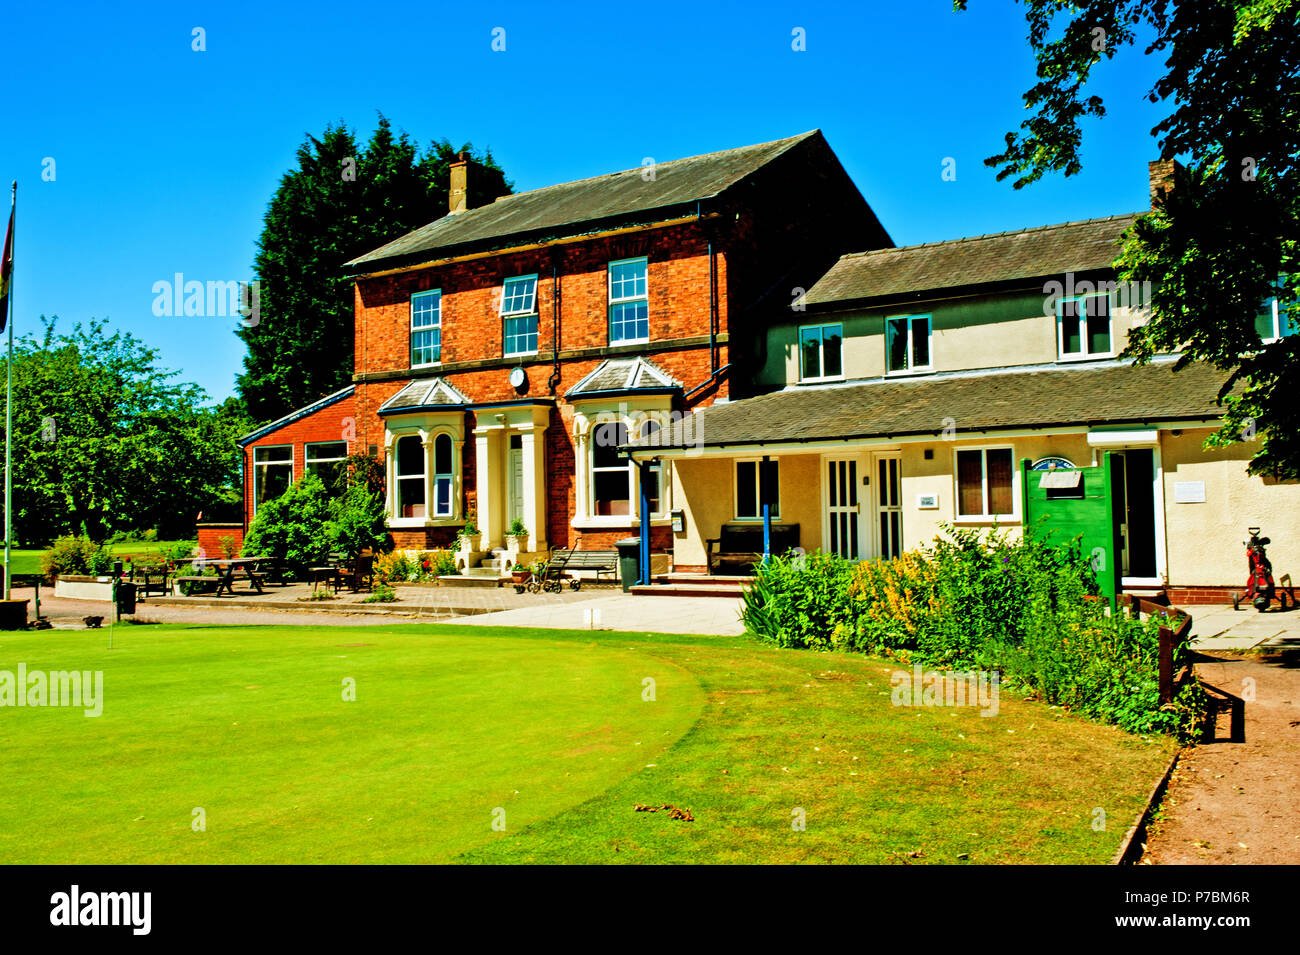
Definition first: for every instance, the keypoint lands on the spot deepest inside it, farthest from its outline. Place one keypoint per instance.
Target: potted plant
(516, 536)
(469, 534)
(519, 573)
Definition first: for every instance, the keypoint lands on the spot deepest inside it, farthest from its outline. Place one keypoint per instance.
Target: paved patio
(1222, 628)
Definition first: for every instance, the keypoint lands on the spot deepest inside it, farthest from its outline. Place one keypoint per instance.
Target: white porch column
(488, 482)
(534, 455)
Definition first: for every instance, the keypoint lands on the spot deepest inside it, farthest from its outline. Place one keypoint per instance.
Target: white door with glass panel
(889, 506)
(515, 480)
(844, 532)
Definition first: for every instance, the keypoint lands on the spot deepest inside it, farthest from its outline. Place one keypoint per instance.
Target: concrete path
(719, 616)
(1222, 628)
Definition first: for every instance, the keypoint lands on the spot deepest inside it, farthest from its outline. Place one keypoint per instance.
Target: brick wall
(335, 422)
(210, 536)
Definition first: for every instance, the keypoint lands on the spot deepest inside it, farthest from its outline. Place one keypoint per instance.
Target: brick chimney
(458, 197)
(1160, 177)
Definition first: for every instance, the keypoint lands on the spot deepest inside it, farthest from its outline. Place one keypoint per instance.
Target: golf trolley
(551, 576)
(1260, 589)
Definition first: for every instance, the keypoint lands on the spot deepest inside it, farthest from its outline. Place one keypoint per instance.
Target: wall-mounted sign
(1051, 463)
(1189, 492)
(679, 522)
(927, 502)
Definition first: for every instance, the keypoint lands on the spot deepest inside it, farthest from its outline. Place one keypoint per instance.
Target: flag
(6, 269)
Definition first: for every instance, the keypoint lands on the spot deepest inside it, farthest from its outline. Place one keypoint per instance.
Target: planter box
(84, 588)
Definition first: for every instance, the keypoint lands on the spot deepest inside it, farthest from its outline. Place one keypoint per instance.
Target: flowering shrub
(1025, 606)
(76, 555)
(398, 567)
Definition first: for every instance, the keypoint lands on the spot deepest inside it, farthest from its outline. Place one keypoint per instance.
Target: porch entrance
(864, 506)
(1132, 481)
(515, 480)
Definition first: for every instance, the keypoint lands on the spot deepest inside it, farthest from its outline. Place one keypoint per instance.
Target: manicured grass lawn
(28, 560)
(451, 723)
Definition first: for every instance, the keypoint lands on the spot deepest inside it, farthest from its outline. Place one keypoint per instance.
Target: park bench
(604, 563)
(743, 543)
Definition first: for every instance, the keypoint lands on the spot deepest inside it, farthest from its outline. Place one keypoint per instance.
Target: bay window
(611, 477)
(409, 476)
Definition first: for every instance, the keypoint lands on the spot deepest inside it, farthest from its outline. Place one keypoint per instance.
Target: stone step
(731, 591)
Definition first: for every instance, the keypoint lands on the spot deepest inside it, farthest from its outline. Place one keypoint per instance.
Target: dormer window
(820, 356)
(907, 344)
(1083, 327)
(519, 315)
(1273, 323)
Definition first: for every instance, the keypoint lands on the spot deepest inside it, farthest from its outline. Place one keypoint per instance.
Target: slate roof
(616, 375)
(999, 257)
(1112, 393)
(425, 393)
(573, 208)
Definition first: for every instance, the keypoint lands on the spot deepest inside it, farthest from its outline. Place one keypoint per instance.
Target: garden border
(1133, 846)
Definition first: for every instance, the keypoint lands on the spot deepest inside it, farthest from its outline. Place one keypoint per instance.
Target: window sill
(820, 381)
(432, 364)
(776, 519)
(987, 519)
(614, 343)
(1071, 359)
(417, 522)
(616, 523)
(911, 372)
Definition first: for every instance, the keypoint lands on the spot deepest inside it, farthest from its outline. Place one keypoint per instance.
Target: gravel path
(1239, 803)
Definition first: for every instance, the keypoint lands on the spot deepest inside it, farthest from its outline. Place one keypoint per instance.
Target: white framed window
(272, 472)
(611, 474)
(1083, 327)
(629, 302)
(820, 357)
(1273, 324)
(409, 476)
(985, 483)
(426, 328)
(519, 315)
(758, 482)
(444, 476)
(907, 343)
(325, 460)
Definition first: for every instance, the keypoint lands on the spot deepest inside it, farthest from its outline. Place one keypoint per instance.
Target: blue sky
(165, 158)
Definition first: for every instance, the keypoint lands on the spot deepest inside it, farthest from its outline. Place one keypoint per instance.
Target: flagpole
(9, 389)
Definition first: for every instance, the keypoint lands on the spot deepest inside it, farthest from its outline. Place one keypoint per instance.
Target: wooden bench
(743, 543)
(150, 580)
(603, 562)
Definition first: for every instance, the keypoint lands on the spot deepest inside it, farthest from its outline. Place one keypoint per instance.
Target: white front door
(889, 506)
(515, 480)
(844, 533)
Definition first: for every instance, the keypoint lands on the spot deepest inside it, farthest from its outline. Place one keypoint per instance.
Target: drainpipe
(554, 381)
(713, 306)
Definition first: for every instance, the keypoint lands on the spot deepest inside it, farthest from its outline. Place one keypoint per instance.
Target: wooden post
(1166, 665)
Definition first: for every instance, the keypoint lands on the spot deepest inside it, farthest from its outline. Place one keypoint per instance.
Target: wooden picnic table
(228, 568)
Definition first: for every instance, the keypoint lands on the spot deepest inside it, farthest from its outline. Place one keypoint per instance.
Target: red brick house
(505, 352)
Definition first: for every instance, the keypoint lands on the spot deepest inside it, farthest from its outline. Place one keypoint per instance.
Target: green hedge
(1025, 606)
